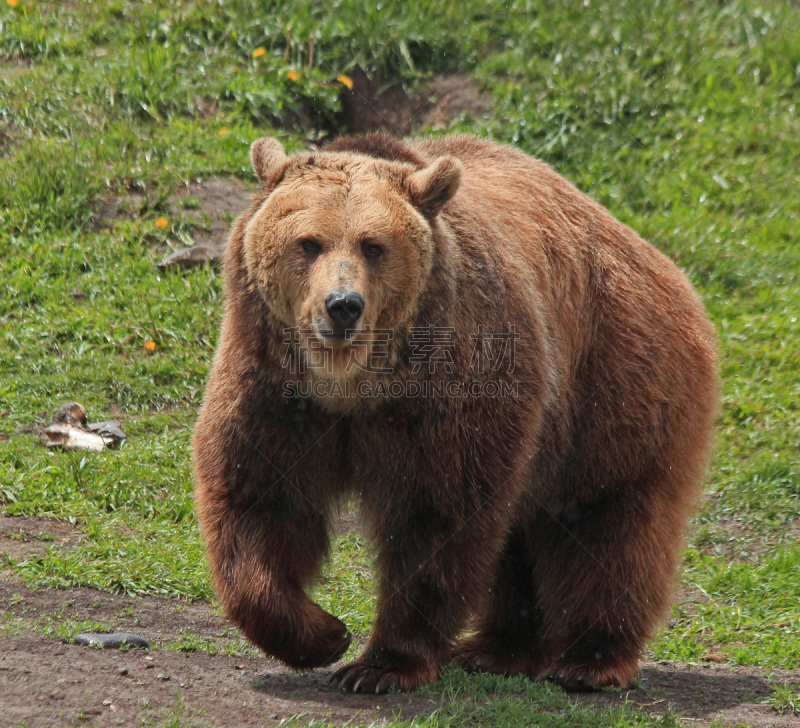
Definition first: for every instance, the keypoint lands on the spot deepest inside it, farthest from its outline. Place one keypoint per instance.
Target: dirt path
(47, 682)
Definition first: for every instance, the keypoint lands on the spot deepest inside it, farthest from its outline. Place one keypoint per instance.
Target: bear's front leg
(260, 564)
(263, 506)
(416, 620)
(434, 559)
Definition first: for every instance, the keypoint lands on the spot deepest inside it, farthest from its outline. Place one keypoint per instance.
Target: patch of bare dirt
(208, 206)
(348, 522)
(24, 537)
(119, 208)
(704, 694)
(748, 543)
(47, 683)
(377, 104)
(14, 65)
(8, 134)
(213, 204)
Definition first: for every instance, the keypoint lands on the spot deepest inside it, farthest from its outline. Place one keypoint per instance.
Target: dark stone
(115, 640)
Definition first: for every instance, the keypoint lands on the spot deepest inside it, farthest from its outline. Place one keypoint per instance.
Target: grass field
(682, 118)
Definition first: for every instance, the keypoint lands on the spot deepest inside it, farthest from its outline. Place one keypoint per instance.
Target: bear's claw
(582, 678)
(360, 678)
(366, 677)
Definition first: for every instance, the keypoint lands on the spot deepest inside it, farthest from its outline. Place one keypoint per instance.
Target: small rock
(110, 432)
(115, 640)
(163, 676)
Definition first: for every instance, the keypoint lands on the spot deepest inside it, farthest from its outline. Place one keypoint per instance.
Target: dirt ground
(380, 104)
(208, 206)
(47, 682)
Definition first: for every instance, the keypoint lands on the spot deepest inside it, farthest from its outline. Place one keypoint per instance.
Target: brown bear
(518, 389)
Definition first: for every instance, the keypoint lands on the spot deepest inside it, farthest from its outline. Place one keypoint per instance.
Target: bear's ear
(430, 188)
(268, 159)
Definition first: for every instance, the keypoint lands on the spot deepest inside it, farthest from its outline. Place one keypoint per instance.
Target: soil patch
(705, 693)
(379, 104)
(23, 537)
(14, 66)
(47, 683)
(348, 521)
(747, 543)
(208, 207)
(211, 206)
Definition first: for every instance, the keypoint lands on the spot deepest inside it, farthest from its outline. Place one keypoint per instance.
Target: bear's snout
(344, 309)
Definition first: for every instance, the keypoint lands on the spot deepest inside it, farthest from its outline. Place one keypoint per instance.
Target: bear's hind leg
(506, 640)
(604, 573)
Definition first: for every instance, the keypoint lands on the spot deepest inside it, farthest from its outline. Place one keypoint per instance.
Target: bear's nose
(344, 308)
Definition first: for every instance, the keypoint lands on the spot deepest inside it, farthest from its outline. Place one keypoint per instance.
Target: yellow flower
(346, 81)
(292, 75)
(150, 346)
(162, 222)
(258, 52)
(12, 3)
(223, 131)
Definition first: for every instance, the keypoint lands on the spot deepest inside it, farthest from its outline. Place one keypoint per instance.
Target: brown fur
(551, 522)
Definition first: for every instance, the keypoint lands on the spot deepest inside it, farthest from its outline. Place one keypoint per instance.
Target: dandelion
(162, 222)
(258, 52)
(345, 81)
(223, 131)
(12, 3)
(292, 75)
(150, 346)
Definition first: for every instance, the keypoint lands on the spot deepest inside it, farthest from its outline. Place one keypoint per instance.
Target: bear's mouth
(333, 337)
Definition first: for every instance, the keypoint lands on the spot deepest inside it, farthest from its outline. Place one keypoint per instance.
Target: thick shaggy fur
(547, 525)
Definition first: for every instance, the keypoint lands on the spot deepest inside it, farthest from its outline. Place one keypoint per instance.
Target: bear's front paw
(328, 639)
(378, 675)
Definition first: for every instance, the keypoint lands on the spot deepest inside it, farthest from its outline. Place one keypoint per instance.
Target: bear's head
(343, 246)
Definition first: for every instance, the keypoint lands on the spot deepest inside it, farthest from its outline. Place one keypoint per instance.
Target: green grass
(487, 700)
(681, 117)
(786, 698)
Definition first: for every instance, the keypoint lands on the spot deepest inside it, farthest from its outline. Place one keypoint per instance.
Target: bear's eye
(371, 249)
(311, 246)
